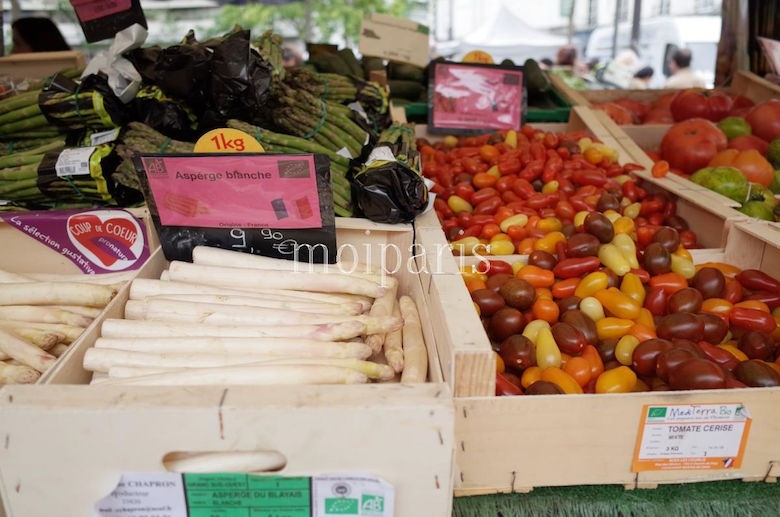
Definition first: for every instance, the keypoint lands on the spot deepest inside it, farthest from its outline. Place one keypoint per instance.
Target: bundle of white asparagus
(40, 316)
(231, 318)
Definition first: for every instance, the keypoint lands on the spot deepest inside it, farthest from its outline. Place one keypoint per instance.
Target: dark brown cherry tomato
(685, 300)
(720, 356)
(606, 349)
(582, 245)
(518, 293)
(542, 259)
(756, 374)
(662, 387)
(655, 302)
(570, 339)
(668, 238)
(514, 379)
(676, 222)
(543, 388)
(611, 365)
(570, 303)
(697, 374)
(518, 352)
(607, 202)
(683, 325)
(689, 345)
(646, 354)
(488, 300)
(612, 279)
(757, 345)
(505, 388)
(714, 328)
(599, 226)
(505, 323)
(710, 282)
(667, 361)
(657, 259)
(584, 323)
(496, 281)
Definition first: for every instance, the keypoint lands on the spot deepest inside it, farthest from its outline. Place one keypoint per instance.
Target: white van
(658, 40)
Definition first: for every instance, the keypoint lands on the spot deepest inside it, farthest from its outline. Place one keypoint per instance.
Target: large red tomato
(741, 101)
(638, 108)
(709, 104)
(665, 100)
(754, 166)
(619, 114)
(748, 142)
(690, 145)
(658, 116)
(765, 120)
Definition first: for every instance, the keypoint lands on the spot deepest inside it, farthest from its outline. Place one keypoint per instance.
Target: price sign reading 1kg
(227, 140)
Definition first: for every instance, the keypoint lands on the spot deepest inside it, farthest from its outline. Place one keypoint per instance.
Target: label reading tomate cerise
(245, 191)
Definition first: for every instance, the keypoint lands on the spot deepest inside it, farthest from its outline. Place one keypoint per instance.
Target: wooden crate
(513, 444)
(40, 65)
(401, 433)
(745, 83)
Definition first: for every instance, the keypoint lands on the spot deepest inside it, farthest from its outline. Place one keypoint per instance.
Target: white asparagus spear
(213, 314)
(231, 461)
(42, 339)
(89, 312)
(263, 279)
(165, 276)
(245, 301)
(52, 293)
(382, 307)
(104, 278)
(101, 359)
(113, 328)
(70, 332)
(237, 345)
(24, 352)
(145, 288)
(6, 277)
(35, 314)
(415, 353)
(254, 375)
(58, 349)
(206, 256)
(12, 374)
(393, 346)
(370, 369)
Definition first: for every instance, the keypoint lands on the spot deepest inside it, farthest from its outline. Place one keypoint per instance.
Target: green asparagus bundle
(26, 144)
(340, 88)
(278, 143)
(269, 46)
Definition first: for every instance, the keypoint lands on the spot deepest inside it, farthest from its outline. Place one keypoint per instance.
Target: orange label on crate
(477, 56)
(691, 437)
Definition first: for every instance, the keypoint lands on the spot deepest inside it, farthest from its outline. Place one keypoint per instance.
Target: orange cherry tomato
(716, 305)
(526, 246)
(490, 230)
(543, 292)
(579, 369)
(660, 169)
(593, 156)
(475, 285)
(590, 354)
(753, 304)
(500, 367)
(517, 233)
(642, 332)
(502, 213)
(561, 379)
(536, 276)
(565, 288)
(530, 376)
(483, 180)
(546, 310)
(489, 153)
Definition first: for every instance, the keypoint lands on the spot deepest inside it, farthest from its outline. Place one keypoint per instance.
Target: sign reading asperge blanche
(245, 495)
(97, 241)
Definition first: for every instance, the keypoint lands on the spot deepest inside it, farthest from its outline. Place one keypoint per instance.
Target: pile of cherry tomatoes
(609, 299)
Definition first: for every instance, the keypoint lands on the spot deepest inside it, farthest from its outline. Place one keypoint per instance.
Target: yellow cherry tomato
(501, 248)
(515, 220)
(683, 267)
(470, 273)
(585, 143)
(736, 352)
(550, 224)
(561, 379)
(646, 318)
(622, 178)
(612, 215)
(592, 307)
(613, 328)
(550, 187)
(682, 252)
(579, 218)
(753, 304)
(633, 287)
(493, 171)
(458, 204)
(632, 211)
(531, 330)
(624, 351)
(618, 304)
(500, 237)
(627, 248)
(640, 386)
(592, 282)
(548, 242)
(517, 266)
(618, 380)
(624, 225)
(466, 246)
(612, 258)
(511, 139)
(717, 305)
(547, 352)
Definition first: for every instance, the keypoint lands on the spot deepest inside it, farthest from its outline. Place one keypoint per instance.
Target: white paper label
(380, 154)
(344, 152)
(104, 137)
(358, 108)
(163, 495)
(692, 437)
(74, 162)
(3, 202)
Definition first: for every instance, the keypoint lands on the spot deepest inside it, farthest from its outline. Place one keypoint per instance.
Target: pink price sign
(240, 191)
(476, 97)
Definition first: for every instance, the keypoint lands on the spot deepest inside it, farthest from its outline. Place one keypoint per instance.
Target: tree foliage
(330, 18)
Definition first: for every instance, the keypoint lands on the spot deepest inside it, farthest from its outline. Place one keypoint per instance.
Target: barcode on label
(68, 170)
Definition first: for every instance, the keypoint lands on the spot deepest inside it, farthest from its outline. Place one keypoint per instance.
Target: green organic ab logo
(341, 506)
(657, 412)
(372, 505)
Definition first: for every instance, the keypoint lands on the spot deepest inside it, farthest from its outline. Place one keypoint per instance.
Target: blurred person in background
(290, 57)
(682, 76)
(37, 35)
(641, 79)
(545, 63)
(567, 56)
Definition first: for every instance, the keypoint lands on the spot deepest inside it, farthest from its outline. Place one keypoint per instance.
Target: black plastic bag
(388, 190)
(170, 117)
(240, 82)
(89, 104)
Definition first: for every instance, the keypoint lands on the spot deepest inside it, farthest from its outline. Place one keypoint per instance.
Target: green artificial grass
(722, 498)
